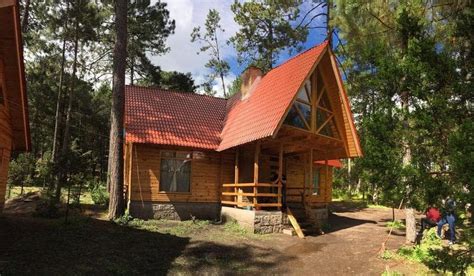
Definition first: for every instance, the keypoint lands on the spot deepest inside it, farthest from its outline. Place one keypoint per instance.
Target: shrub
(99, 192)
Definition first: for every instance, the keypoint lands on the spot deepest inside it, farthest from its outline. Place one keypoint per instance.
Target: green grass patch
(177, 228)
(377, 206)
(396, 225)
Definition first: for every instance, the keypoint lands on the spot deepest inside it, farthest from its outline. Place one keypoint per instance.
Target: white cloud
(183, 55)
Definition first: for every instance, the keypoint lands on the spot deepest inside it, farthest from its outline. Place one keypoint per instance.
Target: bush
(99, 193)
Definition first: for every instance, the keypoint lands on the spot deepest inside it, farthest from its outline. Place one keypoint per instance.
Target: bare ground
(88, 245)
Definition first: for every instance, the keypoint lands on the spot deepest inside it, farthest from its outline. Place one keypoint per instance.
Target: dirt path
(350, 248)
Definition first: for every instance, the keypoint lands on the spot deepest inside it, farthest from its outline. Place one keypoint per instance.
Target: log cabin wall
(209, 170)
(5, 136)
(296, 175)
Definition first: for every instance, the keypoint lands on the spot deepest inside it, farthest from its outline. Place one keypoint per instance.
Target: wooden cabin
(253, 157)
(14, 128)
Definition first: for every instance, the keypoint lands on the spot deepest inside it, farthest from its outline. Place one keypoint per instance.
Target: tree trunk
(115, 174)
(67, 124)
(410, 225)
(26, 13)
(58, 115)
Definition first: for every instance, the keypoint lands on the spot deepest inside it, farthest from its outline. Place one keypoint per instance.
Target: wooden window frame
(311, 86)
(177, 158)
(318, 170)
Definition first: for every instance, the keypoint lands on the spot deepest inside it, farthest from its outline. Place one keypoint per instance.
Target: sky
(184, 57)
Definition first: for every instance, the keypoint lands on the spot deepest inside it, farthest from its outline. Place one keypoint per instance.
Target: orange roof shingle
(157, 116)
(258, 116)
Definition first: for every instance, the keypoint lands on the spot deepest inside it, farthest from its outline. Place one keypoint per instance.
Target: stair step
(289, 231)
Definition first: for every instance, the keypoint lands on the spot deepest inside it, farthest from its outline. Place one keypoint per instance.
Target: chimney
(250, 79)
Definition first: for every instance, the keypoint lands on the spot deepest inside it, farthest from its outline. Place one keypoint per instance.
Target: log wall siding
(207, 176)
(296, 175)
(5, 140)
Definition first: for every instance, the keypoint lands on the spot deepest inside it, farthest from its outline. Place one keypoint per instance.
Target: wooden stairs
(302, 222)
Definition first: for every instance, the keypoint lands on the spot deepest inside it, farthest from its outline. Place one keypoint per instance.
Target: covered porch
(292, 168)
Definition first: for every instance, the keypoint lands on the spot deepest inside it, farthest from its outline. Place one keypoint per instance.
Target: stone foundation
(262, 222)
(175, 210)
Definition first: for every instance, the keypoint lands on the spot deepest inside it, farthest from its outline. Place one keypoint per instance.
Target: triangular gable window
(301, 112)
(309, 102)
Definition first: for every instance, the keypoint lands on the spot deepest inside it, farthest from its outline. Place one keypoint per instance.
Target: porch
(271, 173)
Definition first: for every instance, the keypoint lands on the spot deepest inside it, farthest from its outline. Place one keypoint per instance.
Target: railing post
(236, 175)
(280, 176)
(255, 174)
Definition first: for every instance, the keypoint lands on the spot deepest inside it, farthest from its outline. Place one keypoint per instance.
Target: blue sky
(183, 56)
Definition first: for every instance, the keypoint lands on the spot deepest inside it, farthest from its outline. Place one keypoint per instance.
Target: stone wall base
(175, 210)
(262, 222)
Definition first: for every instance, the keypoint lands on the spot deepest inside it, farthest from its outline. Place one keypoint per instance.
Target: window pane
(303, 95)
(294, 119)
(306, 110)
(175, 175)
(321, 117)
(324, 101)
(183, 175)
(166, 174)
(320, 82)
(316, 176)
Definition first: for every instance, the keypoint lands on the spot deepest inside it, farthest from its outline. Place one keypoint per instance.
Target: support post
(310, 187)
(280, 176)
(255, 173)
(236, 175)
(326, 178)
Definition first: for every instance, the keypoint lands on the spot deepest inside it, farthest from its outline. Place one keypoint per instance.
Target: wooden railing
(254, 197)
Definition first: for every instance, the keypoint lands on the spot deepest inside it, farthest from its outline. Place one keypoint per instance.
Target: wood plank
(236, 203)
(255, 172)
(294, 223)
(269, 205)
(250, 194)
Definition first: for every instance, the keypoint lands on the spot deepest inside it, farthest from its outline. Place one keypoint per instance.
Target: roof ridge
(324, 43)
(175, 91)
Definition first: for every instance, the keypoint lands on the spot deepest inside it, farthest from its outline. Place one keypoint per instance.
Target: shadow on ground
(90, 246)
(338, 222)
(347, 206)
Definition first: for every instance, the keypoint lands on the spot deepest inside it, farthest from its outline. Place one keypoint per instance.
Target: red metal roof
(336, 163)
(157, 116)
(258, 116)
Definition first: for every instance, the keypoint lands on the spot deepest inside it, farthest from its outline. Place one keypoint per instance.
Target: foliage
(397, 224)
(99, 192)
(407, 66)
(149, 25)
(177, 81)
(234, 87)
(209, 39)
(22, 170)
(269, 27)
(430, 252)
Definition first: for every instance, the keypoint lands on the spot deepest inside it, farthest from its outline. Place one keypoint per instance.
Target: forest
(407, 67)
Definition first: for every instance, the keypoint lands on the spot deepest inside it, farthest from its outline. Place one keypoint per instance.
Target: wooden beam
(311, 163)
(255, 172)
(236, 173)
(280, 174)
(7, 3)
(294, 223)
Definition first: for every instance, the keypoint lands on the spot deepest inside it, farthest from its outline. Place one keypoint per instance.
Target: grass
(396, 225)
(85, 194)
(177, 228)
